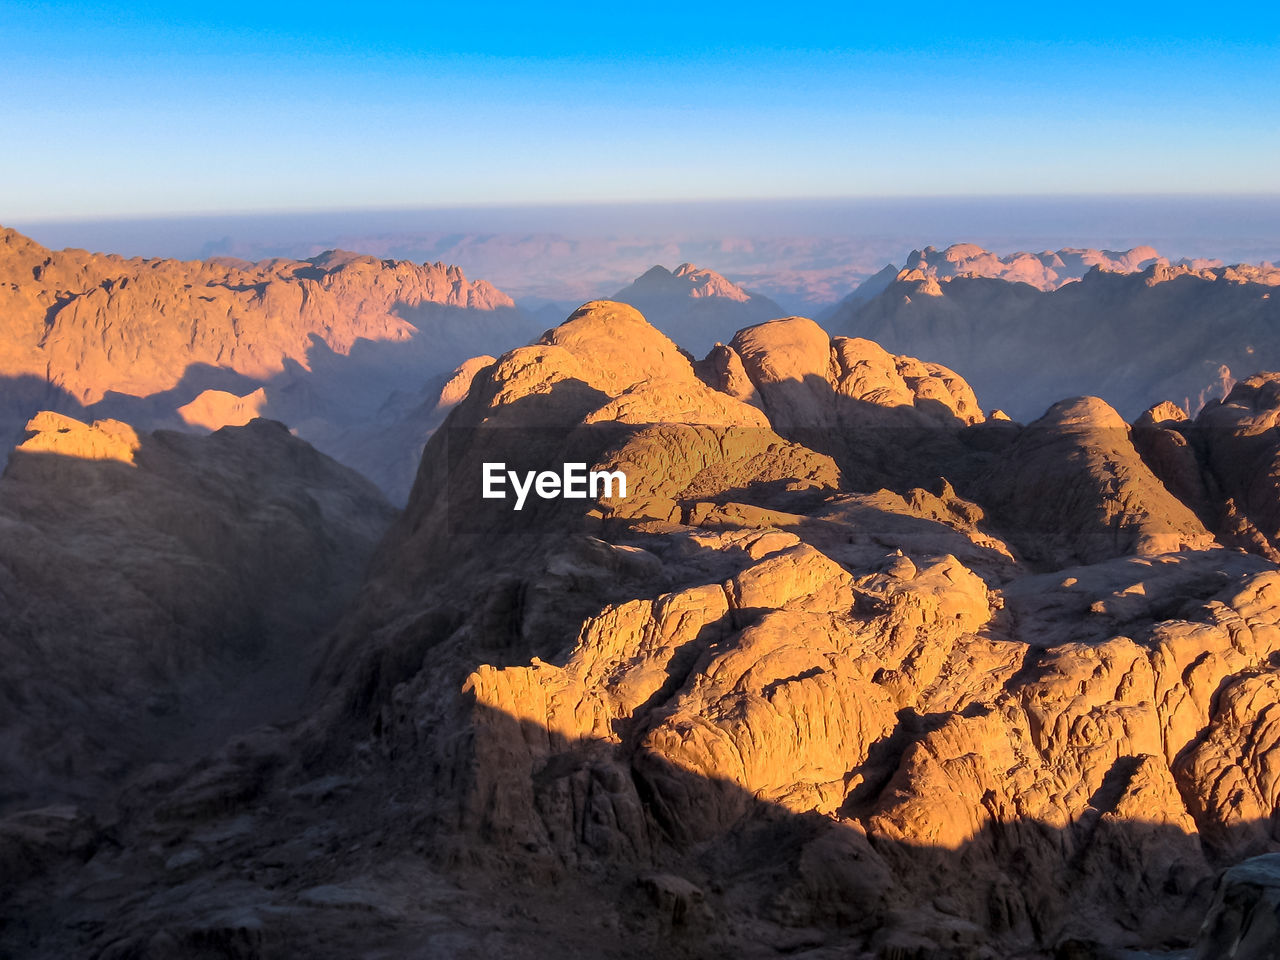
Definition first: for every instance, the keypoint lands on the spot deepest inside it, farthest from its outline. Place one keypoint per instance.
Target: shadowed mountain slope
(159, 591)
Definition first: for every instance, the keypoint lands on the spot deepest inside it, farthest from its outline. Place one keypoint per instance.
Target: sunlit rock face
(854, 670)
(214, 409)
(134, 326)
(987, 716)
(1046, 271)
(341, 347)
(54, 433)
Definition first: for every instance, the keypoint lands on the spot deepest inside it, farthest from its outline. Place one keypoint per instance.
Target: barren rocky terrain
(857, 668)
(340, 347)
(1026, 330)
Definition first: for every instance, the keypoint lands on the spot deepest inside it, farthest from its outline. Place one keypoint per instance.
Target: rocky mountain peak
(695, 306)
(618, 346)
(686, 280)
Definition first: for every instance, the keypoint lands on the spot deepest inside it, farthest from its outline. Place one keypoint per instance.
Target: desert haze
(944, 624)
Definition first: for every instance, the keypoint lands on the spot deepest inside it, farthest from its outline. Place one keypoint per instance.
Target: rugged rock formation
(214, 409)
(960, 751)
(1044, 271)
(1006, 695)
(696, 307)
(1130, 330)
(1244, 923)
(1224, 464)
(326, 345)
(1239, 439)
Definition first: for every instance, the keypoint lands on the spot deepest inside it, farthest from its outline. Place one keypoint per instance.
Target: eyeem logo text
(573, 482)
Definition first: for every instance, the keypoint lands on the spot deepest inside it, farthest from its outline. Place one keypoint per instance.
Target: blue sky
(152, 109)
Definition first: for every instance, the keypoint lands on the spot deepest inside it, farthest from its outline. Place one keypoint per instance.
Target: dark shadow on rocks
(608, 849)
(21, 398)
(160, 410)
(151, 606)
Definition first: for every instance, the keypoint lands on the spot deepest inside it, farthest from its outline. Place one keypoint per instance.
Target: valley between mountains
(861, 666)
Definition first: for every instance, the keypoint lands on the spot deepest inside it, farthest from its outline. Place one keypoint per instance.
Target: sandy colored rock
(617, 347)
(1076, 485)
(215, 409)
(722, 370)
(334, 346)
(54, 433)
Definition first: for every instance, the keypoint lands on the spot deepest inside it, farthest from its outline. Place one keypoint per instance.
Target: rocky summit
(694, 306)
(857, 668)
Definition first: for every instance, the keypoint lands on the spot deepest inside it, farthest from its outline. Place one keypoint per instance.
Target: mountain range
(1131, 328)
(349, 350)
(334, 346)
(352, 351)
(856, 668)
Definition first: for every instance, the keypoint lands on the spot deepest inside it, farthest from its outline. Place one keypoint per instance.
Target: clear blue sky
(144, 109)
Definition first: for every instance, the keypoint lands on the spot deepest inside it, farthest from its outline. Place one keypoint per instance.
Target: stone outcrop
(100, 323)
(1076, 490)
(1244, 922)
(1015, 717)
(214, 409)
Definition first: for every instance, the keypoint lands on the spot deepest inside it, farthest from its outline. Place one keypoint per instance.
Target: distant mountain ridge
(350, 350)
(97, 323)
(1046, 271)
(688, 280)
(1024, 329)
(694, 306)
(321, 344)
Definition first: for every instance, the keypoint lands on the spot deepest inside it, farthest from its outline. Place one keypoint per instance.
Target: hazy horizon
(803, 253)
